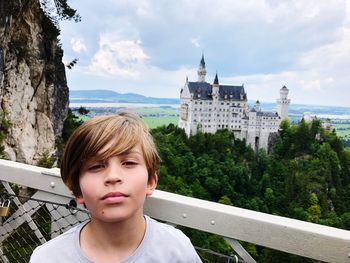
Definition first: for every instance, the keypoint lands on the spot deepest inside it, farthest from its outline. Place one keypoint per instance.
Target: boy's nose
(113, 175)
(113, 180)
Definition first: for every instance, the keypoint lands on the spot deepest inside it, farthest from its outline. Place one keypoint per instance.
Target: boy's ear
(80, 199)
(152, 184)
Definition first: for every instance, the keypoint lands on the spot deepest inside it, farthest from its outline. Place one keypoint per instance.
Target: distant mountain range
(108, 96)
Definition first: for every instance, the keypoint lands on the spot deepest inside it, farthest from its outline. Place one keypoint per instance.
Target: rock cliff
(33, 86)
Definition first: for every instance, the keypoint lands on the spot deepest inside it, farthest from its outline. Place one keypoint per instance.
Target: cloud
(150, 46)
(195, 42)
(118, 57)
(78, 45)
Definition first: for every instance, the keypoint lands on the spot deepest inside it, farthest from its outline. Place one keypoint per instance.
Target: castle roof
(253, 110)
(203, 91)
(267, 114)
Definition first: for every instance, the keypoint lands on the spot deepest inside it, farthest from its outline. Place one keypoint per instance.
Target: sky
(149, 47)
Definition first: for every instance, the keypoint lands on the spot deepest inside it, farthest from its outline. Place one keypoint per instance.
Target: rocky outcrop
(33, 87)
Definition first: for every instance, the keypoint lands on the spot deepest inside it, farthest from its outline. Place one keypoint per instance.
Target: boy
(110, 163)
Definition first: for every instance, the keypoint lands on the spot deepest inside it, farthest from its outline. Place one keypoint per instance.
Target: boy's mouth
(113, 195)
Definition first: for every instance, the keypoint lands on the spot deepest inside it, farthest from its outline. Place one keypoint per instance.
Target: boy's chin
(113, 218)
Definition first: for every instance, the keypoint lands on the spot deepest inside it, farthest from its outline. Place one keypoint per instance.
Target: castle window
(200, 102)
(195, 102)
(222, 103)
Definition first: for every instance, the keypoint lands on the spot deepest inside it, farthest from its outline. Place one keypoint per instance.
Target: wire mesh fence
(32, 222)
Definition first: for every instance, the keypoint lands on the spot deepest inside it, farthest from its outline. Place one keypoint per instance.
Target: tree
(70, 124)
(314, 210)
(71, 64)
(62, 10)
(83, 111)
(55, 11)
(306, 177)
(302, 138)
(5, 125)
(46, 160)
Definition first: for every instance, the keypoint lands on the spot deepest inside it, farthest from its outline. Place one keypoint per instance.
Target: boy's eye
(96, 167)
(129, 164)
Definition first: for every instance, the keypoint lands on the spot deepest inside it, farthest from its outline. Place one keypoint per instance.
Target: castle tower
(257, 107)
(283, 103)
(201, 70)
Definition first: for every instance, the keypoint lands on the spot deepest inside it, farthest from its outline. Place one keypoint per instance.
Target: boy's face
(115, 189)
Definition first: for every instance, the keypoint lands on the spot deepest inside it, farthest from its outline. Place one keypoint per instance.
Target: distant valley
(162, 111)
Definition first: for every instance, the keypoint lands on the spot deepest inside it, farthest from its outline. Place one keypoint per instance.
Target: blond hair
(124, 131)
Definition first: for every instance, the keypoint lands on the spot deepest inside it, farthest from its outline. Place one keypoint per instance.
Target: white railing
(280, 233)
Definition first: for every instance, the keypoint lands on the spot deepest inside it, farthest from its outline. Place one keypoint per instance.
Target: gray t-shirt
(161, 243)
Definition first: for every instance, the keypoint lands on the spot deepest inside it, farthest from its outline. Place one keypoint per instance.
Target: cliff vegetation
(33, 85)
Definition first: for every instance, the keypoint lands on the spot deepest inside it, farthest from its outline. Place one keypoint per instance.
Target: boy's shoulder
(165, 243)
(62, 246)
(163, 230)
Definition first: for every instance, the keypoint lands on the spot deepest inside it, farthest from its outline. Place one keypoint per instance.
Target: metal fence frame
(297, 237)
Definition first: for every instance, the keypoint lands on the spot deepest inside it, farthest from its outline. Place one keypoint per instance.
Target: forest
(307, 177)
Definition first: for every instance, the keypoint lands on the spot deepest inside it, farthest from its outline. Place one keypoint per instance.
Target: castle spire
(201, 70)
(202, 63)
(215, 89)
(216, 80)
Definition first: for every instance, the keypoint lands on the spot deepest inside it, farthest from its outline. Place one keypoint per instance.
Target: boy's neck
(112, 242)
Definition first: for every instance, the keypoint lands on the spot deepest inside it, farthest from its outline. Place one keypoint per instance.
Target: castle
(206, 107)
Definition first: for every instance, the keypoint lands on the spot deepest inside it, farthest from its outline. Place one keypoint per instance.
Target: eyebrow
(130, 152)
